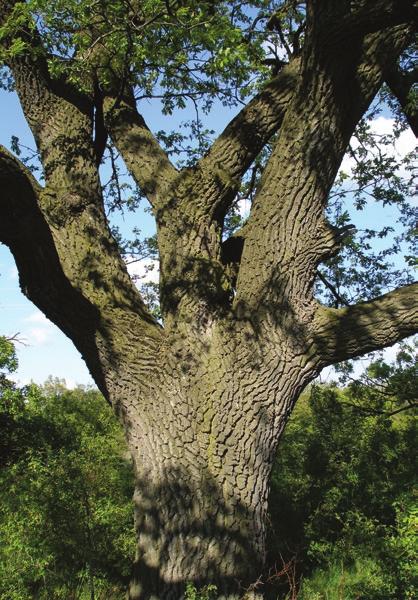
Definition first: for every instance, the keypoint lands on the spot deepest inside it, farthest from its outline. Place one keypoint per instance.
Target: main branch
(24, 230)
(400, 85)
(243, 139)
(287, 235)
(341, 334)
(146, 160)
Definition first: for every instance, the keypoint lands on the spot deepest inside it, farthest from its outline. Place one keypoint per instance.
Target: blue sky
(45, 350)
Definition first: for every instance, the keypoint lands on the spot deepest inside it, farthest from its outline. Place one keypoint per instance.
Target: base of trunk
(139, 590)
(190, 533)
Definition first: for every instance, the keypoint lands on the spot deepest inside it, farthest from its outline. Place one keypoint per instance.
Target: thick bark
(218, 174)
(203, 450)
(401, 84)
(204, 400)
(333, 94)
(143, 155)
(339, 334)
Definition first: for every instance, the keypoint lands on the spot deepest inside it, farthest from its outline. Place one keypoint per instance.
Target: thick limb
(142, 153)
(341, 334)
(76, 277)
(243, 139)
(335, 91)
(400, 84)
(218, 174)
(24, 230)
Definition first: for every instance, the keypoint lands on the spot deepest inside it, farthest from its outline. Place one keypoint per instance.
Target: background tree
(66, 484)
(344, 511)
(204, 394)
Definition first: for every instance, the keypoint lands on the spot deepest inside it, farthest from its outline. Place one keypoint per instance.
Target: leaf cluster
(374, 256)
(175, 49)
(343, 498)
(66, 483)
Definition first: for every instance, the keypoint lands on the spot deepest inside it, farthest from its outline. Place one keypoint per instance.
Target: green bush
(364, 579)
(343, 500)
(208, 592)
(66, 485)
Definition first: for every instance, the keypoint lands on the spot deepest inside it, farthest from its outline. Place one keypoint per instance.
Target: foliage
(343, 495)
(181, 51)
(384, 387)
(208, 592)
(66, 482)
(10, 397)
(403, 544)
(8, 360)
(375, 255)
(366, 578)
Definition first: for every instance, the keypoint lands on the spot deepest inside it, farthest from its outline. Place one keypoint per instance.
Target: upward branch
(146, 160)
(74, 275)
(68, 238)
(60, 117)
(243, 139)
(218, 174)
(400, 84)
(24, 230)
(334, 92)
(369, 17)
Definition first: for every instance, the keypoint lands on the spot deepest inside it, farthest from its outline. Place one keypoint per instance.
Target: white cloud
(70, 383)
(389, 354)
(145, 270)
(384, 126)
(37, 317)
(40, 330)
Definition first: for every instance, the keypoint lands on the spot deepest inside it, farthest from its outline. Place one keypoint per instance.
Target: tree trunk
(203, 448)
(193, 528)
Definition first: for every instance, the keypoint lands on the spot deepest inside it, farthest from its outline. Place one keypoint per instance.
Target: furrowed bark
(25, 231)
(400, 84)
(242, 140)
(204, 400)
(217, 175)
(335, 91)
(375, 16)
(204, 448)
(341, 334)
(60, 117)
(339, 18)
(74, 226)
(90, 313)
(190, 218)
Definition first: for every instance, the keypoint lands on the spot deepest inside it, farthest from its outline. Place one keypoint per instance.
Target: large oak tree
(204, 394)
